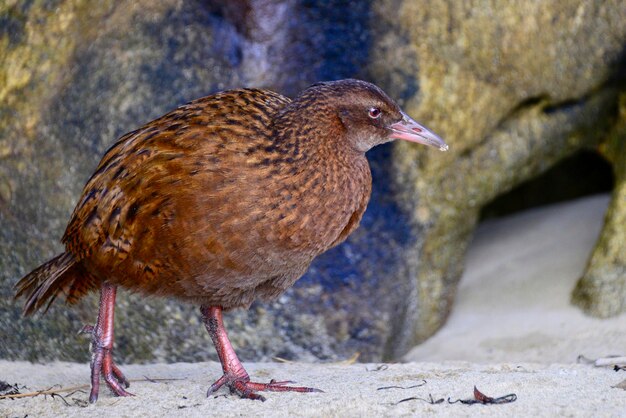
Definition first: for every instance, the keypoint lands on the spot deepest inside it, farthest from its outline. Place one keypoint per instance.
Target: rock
(135, 62)
(601, 291)
(89, 73)
(513, 89)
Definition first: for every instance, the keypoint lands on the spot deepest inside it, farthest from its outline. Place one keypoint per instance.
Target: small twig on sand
(422, 383)
(50, 391)
(430, 400)
(55, 392)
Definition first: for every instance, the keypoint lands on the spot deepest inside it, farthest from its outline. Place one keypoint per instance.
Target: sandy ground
(513, 302)
(512, 331)
(350, 391)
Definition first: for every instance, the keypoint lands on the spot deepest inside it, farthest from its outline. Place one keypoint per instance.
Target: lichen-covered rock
(512, 86)
(122, 64)
(89, 72)
(602, 289)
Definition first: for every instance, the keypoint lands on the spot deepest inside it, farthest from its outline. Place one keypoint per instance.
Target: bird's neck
(319, 139)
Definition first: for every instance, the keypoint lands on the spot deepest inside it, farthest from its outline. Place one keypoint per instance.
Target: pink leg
(102, 347)
(235, 376)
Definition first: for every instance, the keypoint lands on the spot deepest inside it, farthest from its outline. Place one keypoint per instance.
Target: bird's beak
(410, 130)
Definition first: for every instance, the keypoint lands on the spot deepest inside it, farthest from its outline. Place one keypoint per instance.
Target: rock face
(513, 88)
(602, 289)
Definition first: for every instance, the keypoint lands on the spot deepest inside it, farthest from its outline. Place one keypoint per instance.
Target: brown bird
(221, 202)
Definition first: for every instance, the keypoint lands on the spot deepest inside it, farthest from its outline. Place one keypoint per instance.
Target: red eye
(374, 113)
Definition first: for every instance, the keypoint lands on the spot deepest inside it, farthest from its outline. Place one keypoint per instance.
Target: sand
(513, 302)
(350, 391)
(512, 331)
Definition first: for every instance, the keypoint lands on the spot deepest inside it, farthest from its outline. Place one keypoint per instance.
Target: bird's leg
(235, 376)
(102, 347)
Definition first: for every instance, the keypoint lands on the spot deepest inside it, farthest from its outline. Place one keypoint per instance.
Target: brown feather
(222, 201)
(42, 285)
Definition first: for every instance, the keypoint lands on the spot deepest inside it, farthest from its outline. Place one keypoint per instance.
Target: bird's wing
(131, 180)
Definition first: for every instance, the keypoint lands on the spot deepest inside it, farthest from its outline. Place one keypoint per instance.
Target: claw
(117, 373)
(242, 386)
(217, 385)
(235, 376)
(102, 364)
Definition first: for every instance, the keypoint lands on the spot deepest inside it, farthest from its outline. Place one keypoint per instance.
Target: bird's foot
(242, 386)
(102, 364)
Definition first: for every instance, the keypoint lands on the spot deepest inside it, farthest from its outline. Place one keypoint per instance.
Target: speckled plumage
(220, 202)
(208, 205)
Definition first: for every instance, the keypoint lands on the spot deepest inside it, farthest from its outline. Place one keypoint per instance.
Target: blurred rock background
(530, 96)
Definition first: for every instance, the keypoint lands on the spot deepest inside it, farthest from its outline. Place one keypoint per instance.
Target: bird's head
(367, 114)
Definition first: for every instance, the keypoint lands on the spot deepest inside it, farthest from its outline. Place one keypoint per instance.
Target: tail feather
(61, 275)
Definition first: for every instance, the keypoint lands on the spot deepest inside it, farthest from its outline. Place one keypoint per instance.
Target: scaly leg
(102, 348)
(235, 376)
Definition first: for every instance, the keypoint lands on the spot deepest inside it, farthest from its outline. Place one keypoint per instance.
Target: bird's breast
(318, 208)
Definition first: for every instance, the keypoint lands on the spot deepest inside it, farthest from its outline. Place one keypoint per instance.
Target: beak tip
(409, 130)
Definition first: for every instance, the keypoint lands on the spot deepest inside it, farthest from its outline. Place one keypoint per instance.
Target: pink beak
(409, 130)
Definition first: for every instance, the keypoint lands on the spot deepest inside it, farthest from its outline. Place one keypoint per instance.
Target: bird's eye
(374, 113)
